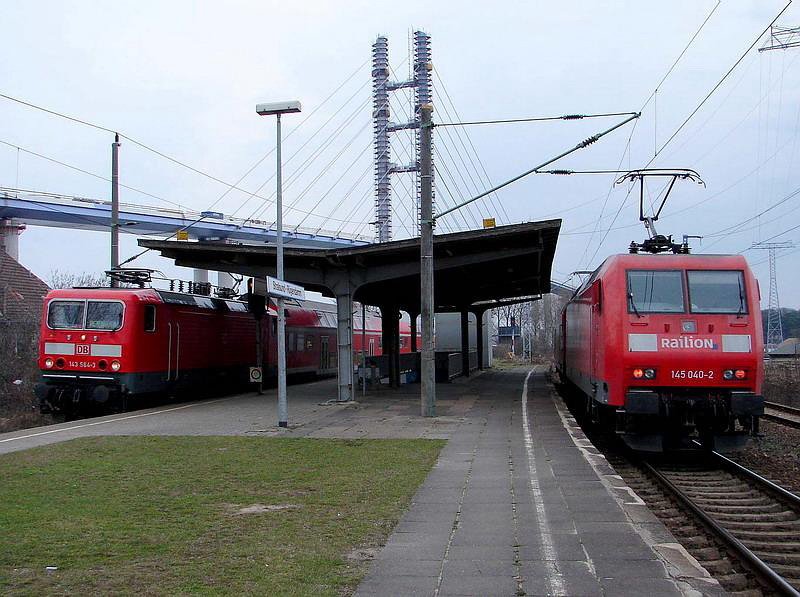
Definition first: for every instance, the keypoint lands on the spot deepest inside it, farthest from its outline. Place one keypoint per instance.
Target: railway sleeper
(757, 500)
(718, 567)
(761, 527)
(698, 481)
(781, 558)
(737, 509)
(767, 536)
(738, 584)
(731, 494)
(789, 573)
(784, 516)
(765, 547)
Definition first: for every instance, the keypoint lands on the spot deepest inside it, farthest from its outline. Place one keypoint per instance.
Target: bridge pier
(9, 237)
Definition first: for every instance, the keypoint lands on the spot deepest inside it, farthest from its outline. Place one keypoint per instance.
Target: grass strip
(208, 515)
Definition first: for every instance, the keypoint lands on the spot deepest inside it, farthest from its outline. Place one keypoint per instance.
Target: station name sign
(284, 289)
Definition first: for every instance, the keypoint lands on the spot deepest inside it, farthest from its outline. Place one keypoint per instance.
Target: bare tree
(59, 279)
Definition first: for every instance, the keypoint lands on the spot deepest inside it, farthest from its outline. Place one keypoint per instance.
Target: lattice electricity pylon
(781, 38)
(774, 323)
(382, 126)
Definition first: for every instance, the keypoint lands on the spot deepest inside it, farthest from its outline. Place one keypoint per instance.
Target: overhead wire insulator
(559, 172)
(572, 117)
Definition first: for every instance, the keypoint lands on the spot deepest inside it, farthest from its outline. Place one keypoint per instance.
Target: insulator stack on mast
(423, 69)
(383, 127)
(383, 159)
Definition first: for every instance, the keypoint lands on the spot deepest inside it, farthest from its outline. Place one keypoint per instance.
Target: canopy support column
(465, 343)
(344, 342)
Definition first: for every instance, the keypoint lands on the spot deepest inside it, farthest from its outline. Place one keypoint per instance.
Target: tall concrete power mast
(421, 82)
(774, 322)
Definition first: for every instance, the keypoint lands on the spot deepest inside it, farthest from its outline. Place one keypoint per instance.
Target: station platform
(519, 502)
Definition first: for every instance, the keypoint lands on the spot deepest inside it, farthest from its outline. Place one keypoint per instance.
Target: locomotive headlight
(48, 362)
(740, 374)
(649, 373)
(638, 373)
(115, 365)
(727, 374)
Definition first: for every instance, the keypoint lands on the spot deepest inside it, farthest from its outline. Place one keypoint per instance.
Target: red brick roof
(21, 292)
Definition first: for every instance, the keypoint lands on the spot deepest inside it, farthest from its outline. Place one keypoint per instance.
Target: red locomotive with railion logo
(101, 345)
(667, 348)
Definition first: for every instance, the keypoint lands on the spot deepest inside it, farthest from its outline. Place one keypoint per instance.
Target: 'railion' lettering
(689, 342)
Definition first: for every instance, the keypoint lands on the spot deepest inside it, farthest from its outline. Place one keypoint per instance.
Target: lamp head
(277, 108)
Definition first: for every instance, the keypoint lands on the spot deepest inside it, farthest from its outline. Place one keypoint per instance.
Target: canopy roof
(470, 267)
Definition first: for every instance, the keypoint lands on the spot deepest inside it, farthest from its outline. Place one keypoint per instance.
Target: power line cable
(88, 173)
(691, 115)
(721, 81)
(533, 119)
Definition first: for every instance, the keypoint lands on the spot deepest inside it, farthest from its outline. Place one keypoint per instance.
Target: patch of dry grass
(222, 515)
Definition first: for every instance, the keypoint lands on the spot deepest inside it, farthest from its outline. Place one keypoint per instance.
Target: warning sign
(255, 374)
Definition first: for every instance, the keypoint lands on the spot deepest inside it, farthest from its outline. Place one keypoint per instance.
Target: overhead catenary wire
(533, 119)
(691, 115)
(585, 143)
(721, 81)
(88, 173)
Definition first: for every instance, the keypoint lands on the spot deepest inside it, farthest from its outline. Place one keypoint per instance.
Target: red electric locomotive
(114, 345)
(667, 348)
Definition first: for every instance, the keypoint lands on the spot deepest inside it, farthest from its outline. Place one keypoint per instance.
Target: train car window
(65, 315)
(655, 291)
(717, 292)
(301, 342)
(104, 315)
(309, 342)
(290, 342)
(149, 318)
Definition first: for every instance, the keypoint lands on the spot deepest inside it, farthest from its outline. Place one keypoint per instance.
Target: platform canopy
(470, 267)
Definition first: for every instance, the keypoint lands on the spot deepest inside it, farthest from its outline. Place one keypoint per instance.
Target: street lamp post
(277, 109)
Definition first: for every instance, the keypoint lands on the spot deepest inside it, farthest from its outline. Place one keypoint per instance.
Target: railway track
(757, 521)
(780, 413)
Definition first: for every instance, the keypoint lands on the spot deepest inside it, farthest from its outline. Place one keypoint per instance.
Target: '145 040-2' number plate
(692, 374)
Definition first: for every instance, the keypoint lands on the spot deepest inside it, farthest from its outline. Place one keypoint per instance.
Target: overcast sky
(184, 77)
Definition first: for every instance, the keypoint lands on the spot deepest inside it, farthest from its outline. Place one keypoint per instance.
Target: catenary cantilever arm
(581, 145)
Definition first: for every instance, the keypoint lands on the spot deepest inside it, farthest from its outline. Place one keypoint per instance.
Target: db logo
(82, 349)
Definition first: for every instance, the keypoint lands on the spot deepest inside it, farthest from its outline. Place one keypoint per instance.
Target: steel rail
(782, 408)
(786, 495)
(751, 560)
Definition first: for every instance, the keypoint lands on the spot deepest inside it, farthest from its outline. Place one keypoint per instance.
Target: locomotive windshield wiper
(633, 304)
(741, 298)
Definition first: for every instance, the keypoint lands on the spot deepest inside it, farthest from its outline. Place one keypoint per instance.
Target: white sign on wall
(284, 289)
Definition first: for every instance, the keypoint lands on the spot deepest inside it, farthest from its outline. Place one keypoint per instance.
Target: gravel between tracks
(775, 455)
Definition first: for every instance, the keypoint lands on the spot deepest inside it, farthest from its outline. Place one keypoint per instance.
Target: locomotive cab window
(104, 315)
(717, 292)
(65, 315)
(149, 318)
(655, 291)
